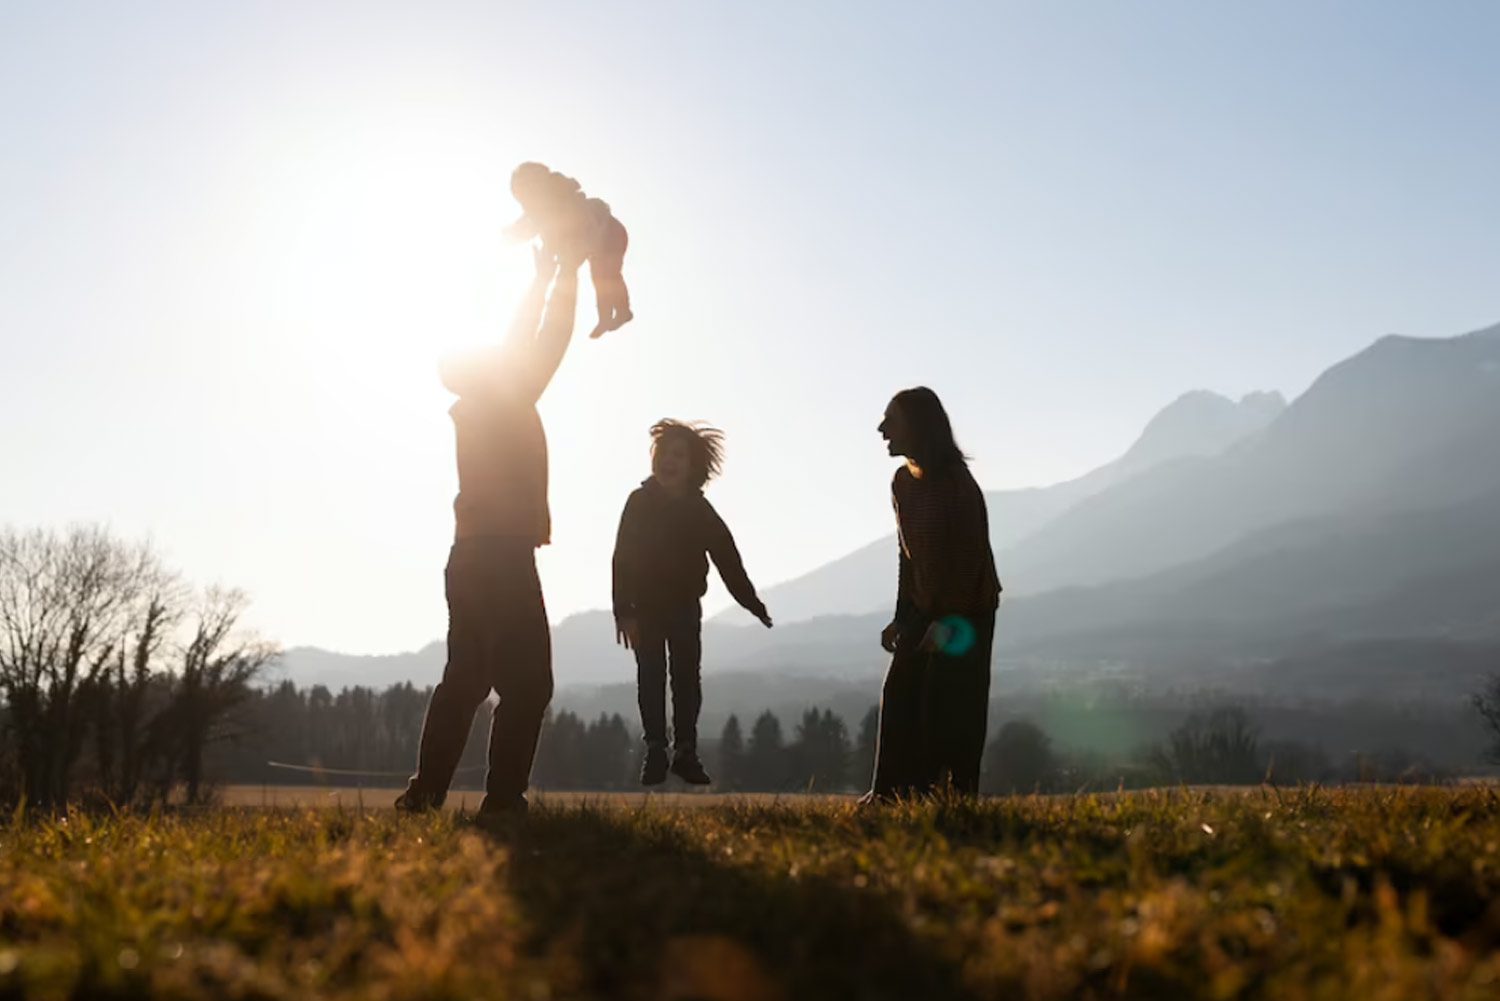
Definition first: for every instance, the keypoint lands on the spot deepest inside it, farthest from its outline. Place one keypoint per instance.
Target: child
(667, 534)
(576, 226)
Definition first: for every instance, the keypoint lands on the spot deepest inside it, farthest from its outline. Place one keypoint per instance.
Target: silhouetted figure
(575, 226)
(934, 704)
(668, 533)
(498, 636)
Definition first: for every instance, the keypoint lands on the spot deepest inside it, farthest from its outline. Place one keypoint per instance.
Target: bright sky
(236, 239)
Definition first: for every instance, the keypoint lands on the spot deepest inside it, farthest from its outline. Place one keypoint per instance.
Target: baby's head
(685, 454)
(534, 184)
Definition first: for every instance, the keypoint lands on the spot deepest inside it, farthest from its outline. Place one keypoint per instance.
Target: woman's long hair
(928, 423)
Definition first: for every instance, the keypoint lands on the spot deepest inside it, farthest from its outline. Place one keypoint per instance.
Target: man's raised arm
(490, 370)
(537, 361)
(529, 313)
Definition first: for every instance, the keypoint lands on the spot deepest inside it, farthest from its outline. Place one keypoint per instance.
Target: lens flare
(957, 636)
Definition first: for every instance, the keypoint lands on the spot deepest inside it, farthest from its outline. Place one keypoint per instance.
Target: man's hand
(628, 633)
(889, 637)
(764, 617)
(569, 260)
(546, 263)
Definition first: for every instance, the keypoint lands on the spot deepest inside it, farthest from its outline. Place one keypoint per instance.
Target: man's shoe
(411, 802)
(654, 768)
(495, 818)
(686, 766)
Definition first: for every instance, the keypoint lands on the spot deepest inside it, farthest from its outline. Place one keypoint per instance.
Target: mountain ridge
(1367, 511)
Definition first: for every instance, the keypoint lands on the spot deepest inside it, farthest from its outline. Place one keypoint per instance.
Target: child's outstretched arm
(726, 556)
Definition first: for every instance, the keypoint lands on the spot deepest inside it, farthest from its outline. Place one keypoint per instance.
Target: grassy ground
(674, 794)
(1369, 894)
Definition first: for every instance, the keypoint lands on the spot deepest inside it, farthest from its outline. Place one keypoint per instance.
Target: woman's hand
(889, 636)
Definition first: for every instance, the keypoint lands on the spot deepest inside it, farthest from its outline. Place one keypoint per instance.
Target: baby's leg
(607, 264)
(610, 291)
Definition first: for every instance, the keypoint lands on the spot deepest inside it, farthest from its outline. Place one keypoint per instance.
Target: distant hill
(1363, 574)
(309, 665)
(1404, 425)
(1345, 546)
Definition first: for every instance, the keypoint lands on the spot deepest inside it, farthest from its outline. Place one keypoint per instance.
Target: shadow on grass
(640, 910)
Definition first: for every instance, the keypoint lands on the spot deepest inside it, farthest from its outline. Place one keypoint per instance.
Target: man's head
(685, 454)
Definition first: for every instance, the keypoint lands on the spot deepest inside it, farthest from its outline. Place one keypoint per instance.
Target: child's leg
(651, 681)
(685, 641)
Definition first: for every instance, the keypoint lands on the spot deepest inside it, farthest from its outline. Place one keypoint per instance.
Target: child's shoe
(654, 768)
(686, 766)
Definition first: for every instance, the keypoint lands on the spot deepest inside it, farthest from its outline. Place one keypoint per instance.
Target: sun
(380, 241)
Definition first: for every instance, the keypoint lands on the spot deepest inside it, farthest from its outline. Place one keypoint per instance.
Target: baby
(574, 225)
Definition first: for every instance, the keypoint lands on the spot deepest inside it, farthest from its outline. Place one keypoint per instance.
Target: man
(498, 638)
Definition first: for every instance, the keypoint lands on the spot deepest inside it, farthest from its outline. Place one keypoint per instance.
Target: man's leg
(522, 678)
(445, 729)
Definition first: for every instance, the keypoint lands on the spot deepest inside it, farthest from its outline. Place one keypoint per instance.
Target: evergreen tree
(862, 766)
(837, 752)
(765, 756)
(606, 753)
(559, 755)
(731, 765)
(820, 753)
(1019, 760)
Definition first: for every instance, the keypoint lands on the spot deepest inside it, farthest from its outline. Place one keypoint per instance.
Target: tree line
(121, 683)
(1216, 746)
(292, 735)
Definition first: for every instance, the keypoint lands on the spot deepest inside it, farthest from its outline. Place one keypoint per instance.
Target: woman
(935, 700)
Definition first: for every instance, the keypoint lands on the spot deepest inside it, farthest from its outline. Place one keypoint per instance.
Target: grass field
(1369, 894)
(351, 797)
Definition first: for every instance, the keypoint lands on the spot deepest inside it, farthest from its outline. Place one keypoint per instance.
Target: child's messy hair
(705, 446)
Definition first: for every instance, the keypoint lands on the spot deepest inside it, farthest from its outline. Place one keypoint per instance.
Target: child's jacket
(662, 553)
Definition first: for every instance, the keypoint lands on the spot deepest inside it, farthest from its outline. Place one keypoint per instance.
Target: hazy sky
(236, 239)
